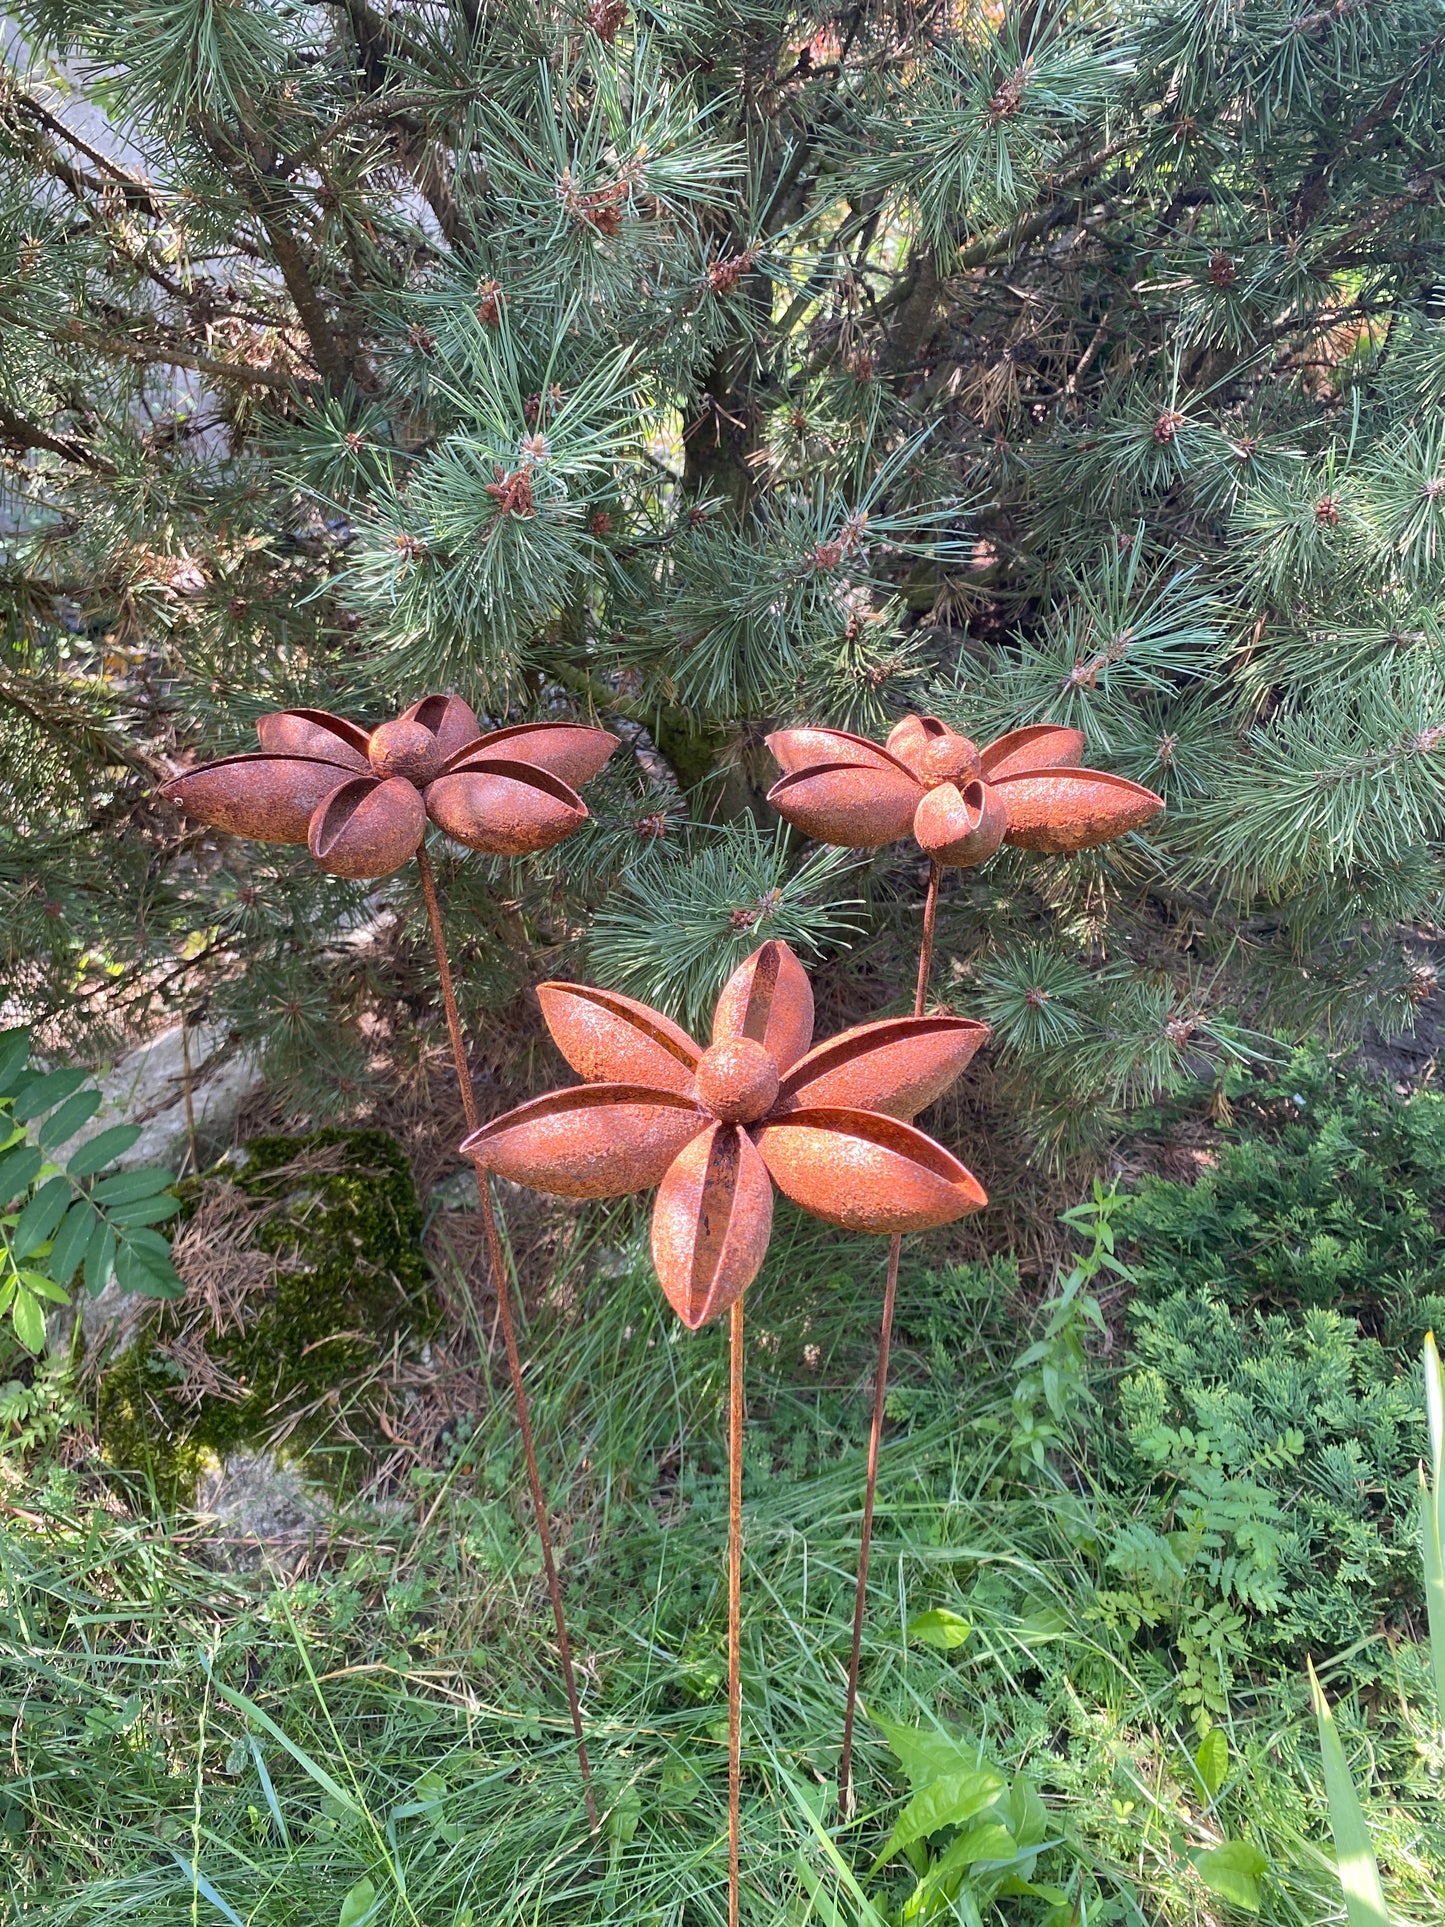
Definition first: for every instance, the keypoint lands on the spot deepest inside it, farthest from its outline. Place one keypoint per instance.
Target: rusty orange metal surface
(959, 802)
(717, 1127)
(360, 798)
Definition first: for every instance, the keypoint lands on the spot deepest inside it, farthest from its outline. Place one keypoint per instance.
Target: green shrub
(1325, 1190)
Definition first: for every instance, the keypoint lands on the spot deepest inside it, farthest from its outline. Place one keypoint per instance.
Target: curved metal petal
(269, 797)
(798, 749)
(368, 827)
(934, 752)
(769, 999)
(854, 805)
(314, 732)
(592, 1141)
(1044, 746)
(866, 1172)
(608, 1038)
(572, 751)
(896, 1065)
(711, 1223)
(961, 827)
(1059, 810)
(505, 808)
(451, 721)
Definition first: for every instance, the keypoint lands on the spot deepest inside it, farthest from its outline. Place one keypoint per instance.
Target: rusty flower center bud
(737, 1081)
(950, 759)
(404, 749)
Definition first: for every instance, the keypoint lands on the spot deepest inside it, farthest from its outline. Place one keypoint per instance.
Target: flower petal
(866, 1172)
(591, 1141)
(960, 827)
(569, 750)
(314, 732)
(608, 1038)
(934, 752)
(1058, 810)
(796, 749)
(505, 808)
(269, 797)
(453, 723)
(854, 805)
(896, 1065)
(368, 827)
(711, 1223)
(768, 998)
(1044, 746)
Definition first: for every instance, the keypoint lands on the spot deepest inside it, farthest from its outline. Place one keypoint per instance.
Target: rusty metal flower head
(716, 1128)
(360, 799)
(959, 801)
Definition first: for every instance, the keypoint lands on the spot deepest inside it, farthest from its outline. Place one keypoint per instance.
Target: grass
(189, 1743)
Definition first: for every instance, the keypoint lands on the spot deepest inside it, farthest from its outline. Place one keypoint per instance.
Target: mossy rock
(339, 1210)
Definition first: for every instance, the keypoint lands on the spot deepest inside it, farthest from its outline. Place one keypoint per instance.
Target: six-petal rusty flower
(360, 798)
(959, 801)
(716, 1128)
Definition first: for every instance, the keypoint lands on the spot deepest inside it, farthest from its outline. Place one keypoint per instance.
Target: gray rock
(147, 1087)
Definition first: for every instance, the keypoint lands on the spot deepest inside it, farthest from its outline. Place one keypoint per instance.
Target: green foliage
(694, 370)
(339, 1217)
(1054, 1383)
(57, 1219)
(1359, 1871)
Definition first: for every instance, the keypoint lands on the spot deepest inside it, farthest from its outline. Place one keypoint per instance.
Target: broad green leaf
(68, 1246)
(14, 1050)
(143, 1264)
(1432, 1521)
(1028, 1816)
(38, 1221)
(926, 1754)
(1232, 1871)
(946, 1803)
(991, 1841)
(28, 1316)
(99, 1258)
(126, 1186)
(42, 1094)
(104, 1148)
(18, 1170)
(939, 1627)
(1359, 1872)
(44, 1287)
(359, 1904)
(66, 1121)
(1012, 1884)
(1211, 1762)
(152, 1210)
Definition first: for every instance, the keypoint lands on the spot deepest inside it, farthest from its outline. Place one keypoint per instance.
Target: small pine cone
(1167, 427)
(1327, 512)
(1222, 271)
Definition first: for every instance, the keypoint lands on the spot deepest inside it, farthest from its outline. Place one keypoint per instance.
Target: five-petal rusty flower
(716, 1128)
(959, 801)
(360, 799)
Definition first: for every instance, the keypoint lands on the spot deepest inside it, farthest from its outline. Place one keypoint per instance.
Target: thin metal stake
(880, 1394)
(735, 1588)
(509, 1335)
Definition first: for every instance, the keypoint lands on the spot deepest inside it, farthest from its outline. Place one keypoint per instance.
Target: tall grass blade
(1432, 1520)
(1359, 1873)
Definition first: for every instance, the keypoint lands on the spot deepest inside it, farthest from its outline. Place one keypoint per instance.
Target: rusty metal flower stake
(960, 803)
(360, 800)
(715, 1129)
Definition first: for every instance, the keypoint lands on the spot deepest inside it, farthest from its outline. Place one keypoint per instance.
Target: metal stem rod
(509, 1334)
(880, 1393)
(735, 1583)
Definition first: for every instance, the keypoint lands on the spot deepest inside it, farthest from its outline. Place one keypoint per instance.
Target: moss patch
(338, 1212)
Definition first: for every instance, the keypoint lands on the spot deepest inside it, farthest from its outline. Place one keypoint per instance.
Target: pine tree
(696, 368)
